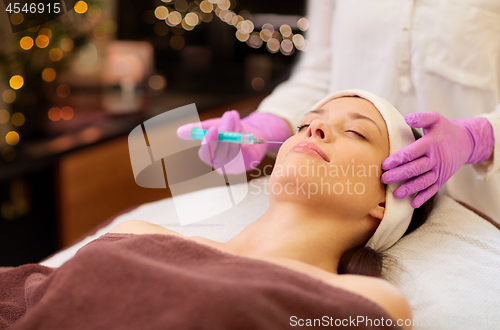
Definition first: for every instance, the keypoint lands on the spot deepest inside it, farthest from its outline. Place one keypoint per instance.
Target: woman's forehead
(349, 104)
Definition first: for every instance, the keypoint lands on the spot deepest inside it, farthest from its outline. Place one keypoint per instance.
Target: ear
(378, 211)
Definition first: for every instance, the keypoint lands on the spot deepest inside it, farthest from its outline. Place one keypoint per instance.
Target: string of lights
(47, 48)
(187, 15)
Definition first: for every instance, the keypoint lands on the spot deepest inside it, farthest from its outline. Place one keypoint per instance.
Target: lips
(310, 148)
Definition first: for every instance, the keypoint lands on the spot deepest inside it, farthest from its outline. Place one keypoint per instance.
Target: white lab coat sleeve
(487, 168)
(310, 78)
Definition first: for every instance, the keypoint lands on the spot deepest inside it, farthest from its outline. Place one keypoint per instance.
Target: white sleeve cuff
(487, 168)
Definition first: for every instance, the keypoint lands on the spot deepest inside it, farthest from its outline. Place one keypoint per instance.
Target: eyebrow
(352, 115)
(355, 115)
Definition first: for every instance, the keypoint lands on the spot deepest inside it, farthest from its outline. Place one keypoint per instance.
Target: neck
(292, 231)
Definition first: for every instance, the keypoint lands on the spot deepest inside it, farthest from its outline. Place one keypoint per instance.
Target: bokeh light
(16, 82)
(63, 91)
(245, 26)
(161, 28)
(9, 96)
(49, 74)
(258, 84)
(16, 18)
(177, 42)
(286, 30)
(298, 40)
(224, 4)
(192, 19)
(157, 82)
(181, 5)
(303, 24)
(88, 55)
(206, 18)
(18, 119)
(206, 6)
(56, 54)
(67, 113)
(273, 45)
(45, 32)
(8, 154)
(94, 11)
(42, 41)
(236, 19)
(174, 18)
(66, 44)
(26, 43)
(54, 114)
(241, 36)
(286, 46)
(161, 12)
(255, 41)
(186, 26)
(81, 7)
(12, 138)
(4, 116)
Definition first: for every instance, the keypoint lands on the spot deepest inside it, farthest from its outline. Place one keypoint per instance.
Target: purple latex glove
(431, 160)
(264, 126)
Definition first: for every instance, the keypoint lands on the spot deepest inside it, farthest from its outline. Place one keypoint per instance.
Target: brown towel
(167, 282)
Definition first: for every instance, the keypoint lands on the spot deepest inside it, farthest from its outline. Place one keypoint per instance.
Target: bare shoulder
(141, 227)
(380, 291)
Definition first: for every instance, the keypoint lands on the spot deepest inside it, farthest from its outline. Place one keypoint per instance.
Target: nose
(318, 129)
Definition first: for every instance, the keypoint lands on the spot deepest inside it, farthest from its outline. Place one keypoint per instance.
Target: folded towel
(167, 282)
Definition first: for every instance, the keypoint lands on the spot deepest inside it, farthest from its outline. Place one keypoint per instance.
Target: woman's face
(334, 160)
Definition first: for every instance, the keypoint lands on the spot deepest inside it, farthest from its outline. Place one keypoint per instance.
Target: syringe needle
(257, 141)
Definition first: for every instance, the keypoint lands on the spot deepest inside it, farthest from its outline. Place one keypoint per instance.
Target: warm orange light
(54, 114)
(206, 6)
(56, 54)
(191, 19)
(258, 84)
(45, 32)
(49, 74)
(8, 154)
(67, 113)
(16, 18)
(174, 18)
(42, 41)
(81, 7)
(161, 12)
(4, 116)
(9, 96)
(66, 44)
(12, 138)
(18, 119)
(16, 82)
(63, 91)
(177, 42)
(26, 43)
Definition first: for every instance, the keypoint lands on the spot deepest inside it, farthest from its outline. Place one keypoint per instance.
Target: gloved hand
(264, 126)
(431, 160)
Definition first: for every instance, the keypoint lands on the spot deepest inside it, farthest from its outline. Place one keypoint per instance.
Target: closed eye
(300, 127)
(359, 134)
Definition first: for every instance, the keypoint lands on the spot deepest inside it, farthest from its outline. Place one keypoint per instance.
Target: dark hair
(363, 260)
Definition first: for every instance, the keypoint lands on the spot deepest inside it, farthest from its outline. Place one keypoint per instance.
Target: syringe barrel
(234, 137)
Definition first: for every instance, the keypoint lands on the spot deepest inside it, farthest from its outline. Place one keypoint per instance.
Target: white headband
(398, 212)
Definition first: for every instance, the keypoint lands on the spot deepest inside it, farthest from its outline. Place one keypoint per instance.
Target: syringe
(234, 137)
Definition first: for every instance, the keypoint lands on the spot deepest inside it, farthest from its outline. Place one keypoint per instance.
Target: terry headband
(398, 212)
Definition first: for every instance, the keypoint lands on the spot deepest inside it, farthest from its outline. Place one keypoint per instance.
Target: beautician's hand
(264, 126)
(431, 160)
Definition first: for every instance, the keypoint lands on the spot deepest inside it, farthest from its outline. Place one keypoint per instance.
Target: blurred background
(74, 84)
